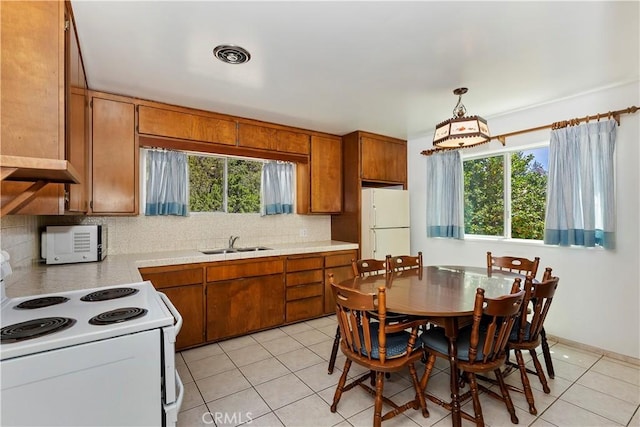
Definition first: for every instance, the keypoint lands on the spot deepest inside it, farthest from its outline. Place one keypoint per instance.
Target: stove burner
(41, 302)
(118, 316)
(107, 294)
(34, 328)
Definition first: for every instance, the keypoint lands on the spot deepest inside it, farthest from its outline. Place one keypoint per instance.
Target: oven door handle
(173, 310)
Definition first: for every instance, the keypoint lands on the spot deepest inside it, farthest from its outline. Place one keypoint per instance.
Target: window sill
(524, 242)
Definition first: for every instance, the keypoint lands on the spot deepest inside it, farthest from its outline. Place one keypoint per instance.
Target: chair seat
(396, 343)
(516, 331)
(435, 339)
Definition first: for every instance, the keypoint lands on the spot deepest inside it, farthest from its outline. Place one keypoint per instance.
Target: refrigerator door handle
(375, 243)
(373, 216)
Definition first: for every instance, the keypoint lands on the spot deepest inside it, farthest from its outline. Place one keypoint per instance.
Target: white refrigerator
(385, 223)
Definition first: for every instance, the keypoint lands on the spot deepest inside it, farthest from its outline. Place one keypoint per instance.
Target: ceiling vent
(231, 54)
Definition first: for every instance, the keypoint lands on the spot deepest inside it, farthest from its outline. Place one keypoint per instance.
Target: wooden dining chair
(363, 268)
(525, 267)
(527, 333)
(517, 265)
(377, 345)
(481, 348)
(404, 262)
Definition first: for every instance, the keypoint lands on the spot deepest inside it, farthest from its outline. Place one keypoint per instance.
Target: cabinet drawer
(226, 271)
(300, 264)
(165, 279)
(174, 124)
(304, 309)
(304, 291)
(339, 259)
(304, 277)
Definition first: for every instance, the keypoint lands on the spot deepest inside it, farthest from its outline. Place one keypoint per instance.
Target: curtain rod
(556, 125)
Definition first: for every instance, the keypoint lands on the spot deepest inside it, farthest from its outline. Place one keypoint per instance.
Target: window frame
(143, 179)
(504, 152)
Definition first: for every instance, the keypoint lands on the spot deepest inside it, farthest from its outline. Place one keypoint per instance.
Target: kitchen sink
(233, 250)
(252, 248)
(219, 251)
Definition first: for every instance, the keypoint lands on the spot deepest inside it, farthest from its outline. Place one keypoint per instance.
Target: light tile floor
(279, 378)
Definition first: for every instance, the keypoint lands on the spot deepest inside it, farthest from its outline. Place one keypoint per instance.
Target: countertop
(123, 269)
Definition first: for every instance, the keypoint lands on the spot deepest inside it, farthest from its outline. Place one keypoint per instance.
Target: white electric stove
(102, 356)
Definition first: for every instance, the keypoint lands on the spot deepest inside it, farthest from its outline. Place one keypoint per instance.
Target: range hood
(37, 170)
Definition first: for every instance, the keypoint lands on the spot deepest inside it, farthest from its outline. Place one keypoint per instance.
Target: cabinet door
(183, 285)
(176, 124)
(326, 175)
(77, 152)
(384, 161)
(237, 307)
(339, 265)
(32, 107)
(189, 302)
(114, 158)
(292, 142)
(266, 138)
(256, 137)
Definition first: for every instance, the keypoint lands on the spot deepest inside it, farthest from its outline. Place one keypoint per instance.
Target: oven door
(112, 382)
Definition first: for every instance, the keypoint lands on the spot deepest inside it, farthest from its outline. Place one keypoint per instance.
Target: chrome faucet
(232, 240)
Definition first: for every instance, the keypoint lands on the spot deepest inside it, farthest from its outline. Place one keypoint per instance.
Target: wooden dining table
(443, 295)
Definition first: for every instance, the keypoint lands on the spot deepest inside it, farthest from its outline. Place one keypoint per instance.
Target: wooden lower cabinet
(239, 306)
(183, 284)
(304, 287)
(219, 300)
(338, 264)
(189, 302)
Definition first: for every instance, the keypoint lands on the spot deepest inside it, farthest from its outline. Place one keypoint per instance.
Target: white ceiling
(384, 67)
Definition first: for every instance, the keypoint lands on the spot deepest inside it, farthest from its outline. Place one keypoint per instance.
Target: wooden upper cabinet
(33, 93)
(192, 127)
(319, 182)
(256, 137)
(292, 142)
(383, 160)
(77, 114)
(77, 151)
(114, 158)
(267, 138)
(326, 175)
(33, 64)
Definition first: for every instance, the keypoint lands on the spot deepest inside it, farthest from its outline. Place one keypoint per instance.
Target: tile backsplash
(141, 234)
(19, 236)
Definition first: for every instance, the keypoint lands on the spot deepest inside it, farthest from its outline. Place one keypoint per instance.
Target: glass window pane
(484, 196)
(244, 186)
(529, 170)
(206, 183)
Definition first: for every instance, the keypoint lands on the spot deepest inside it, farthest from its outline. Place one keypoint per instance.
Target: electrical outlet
(304, 232)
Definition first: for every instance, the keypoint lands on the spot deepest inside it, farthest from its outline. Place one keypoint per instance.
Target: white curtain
(167, 191)
(445, 199)
(276, 188)
(580, 190)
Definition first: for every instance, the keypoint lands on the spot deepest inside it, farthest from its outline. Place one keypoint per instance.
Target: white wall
(598, 298)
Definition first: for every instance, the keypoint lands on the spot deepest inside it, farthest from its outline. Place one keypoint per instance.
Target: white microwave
(65, 244)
